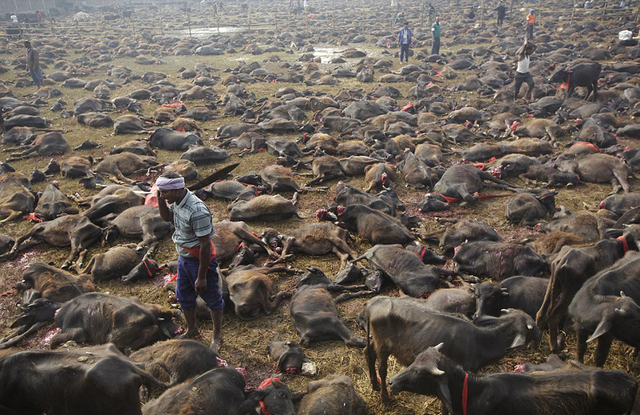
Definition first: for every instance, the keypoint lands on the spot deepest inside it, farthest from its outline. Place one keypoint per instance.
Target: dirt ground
(245, 342)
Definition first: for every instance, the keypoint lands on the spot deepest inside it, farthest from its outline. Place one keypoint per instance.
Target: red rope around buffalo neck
(266, 383)
(465, 392)
(625, 245)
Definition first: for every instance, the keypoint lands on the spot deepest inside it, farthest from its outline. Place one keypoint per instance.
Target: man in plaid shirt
(197, 265)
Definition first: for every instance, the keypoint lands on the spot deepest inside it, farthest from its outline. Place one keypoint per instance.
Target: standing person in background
(531, 19)
(522, 70)
(197, 264)
(502, 12)
(399, 17)
(435, 35)
(33, 64)
(404, 40)
(14, 20)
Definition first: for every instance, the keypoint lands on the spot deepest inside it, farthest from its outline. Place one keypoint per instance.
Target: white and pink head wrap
(165, 183)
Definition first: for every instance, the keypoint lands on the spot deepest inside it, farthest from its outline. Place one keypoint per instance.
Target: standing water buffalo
(396, 326)
(586, 392)
(582, 74)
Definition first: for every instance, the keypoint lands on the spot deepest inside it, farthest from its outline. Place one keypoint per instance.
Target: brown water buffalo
(97, 318)
(288, 355)
(229, 235)
(96, 380)
(16, 198)
(223, 389)
(175, 361)
(71, 230)
(386, 201)
(115, 263)
(374, 225)
(315, 317)
(113, 199)
(47, 144)
(527, 208)
(313, 239)
(378, 176)
(139, 222)
(77, 167)
(53, 283)
(569, 271)
(53, 203)
(263, 207)
(562, 392)
(396, 326)
(118, 166)
(250, 290)
(129, 124)
(600, 168)
(334, 394)
(140, 147)
(465, 230)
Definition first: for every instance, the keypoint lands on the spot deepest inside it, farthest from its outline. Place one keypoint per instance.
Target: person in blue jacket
(404, 40)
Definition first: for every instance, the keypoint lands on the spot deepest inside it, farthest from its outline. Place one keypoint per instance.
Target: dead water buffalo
(118, 166)
(112, 199)
(53, 203)
(288, 354)
(202, 155)
(315, 317)
(621, 203)
(250, 291)
(398, 327)
(115, 263)
(600, 168)
(585, 225)
(97, 318)
(261, 208)
(95, 119)
(334, 395)
(466, 230)
(386, 201)
(588, 392)
(582, 74)
(168, 139)
(23, 120)
(52, 283)
(569, 271)
(88, 104)
(129, 124)
(374, 225)
(16, 198)
(460, 183)
(313, 239)
(522, 293)
(405, 269)
(527, 209)
(77, 167)
(96, 380)
(47, 144)
(74, 230)
(223, 389)
(606, 308)
(229, 235)
(498, 260)
(232, 190)
(139, 222)
(175, 361)
(453, 301)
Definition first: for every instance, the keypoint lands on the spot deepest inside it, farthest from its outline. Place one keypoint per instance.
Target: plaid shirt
(192, 219)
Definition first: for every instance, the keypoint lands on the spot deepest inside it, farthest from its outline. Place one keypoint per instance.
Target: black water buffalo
(263, 207)
(498, 260)
(97, 380)
(606, 308)
(53, 203)
(569, 271)
(399, 327)
(588, 392)
(522, 293)
(582, 74)
(224, 390)
(405, 269)
(97, 318)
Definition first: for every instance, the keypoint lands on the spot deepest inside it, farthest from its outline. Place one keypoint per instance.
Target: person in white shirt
(522, 70)
(14, 19)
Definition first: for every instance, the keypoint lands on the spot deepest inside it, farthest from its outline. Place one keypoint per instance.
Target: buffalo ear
(519, 340)
(445, 394)
(603, 327)
(612, 233)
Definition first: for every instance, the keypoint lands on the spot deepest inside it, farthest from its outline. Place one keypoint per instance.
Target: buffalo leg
(602, 351)
(17, 337)
(13, 214)
(370, 354)
(582, 344)
(382, 369)
(622, 179)
(76, 334)
(247, 236)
